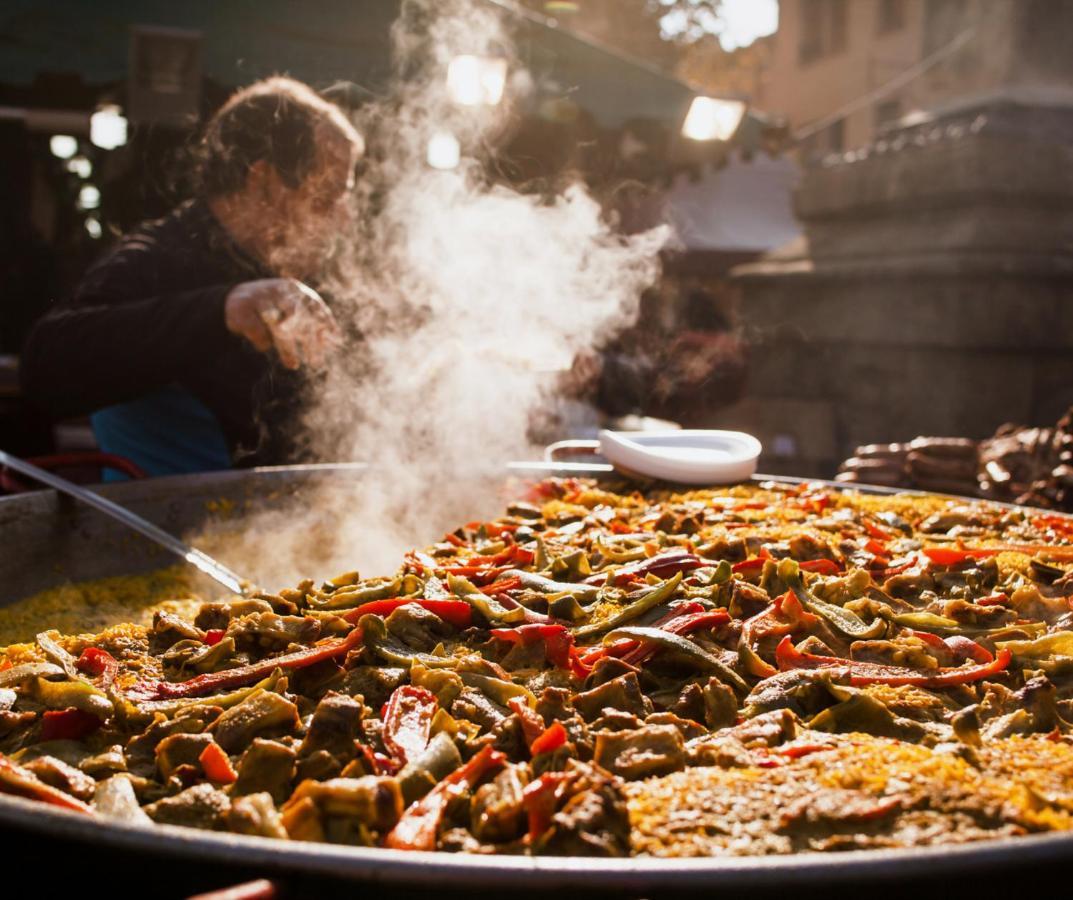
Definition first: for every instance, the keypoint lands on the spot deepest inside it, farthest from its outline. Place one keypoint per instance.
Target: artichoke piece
(367, 806)
(438, 760)
(178, 750)
(261, 713)
(255, 814)
(16, 675)
(115, 799)
(77, 694)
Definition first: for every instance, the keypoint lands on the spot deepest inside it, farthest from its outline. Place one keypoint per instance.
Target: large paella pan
(670, 685)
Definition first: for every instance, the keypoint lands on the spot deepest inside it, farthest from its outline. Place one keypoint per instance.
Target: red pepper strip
(748, 565)
(457, 612)
(1060, 524)
(214, 635)
(99, 662)
(553, 737)
(231, 678)
(822, 566)
(621, 648)
(513, 555)
(947, 556)
(502, 586)
(540, 798)
(408, 721)
(453, 538)
(558, 641)
(661, 565)
(532, 723)
(966, 648)
(862, 673)
(14, 779)
(67, 724)
(999, 599)
(961, 646)
(799, 750)
(932, 640)
(384, 765)
(216, 765)
(876, 548)
(680, 625)
(783, 616)
(417, 828)
(897, 569)
(874, 531)
(755, 563)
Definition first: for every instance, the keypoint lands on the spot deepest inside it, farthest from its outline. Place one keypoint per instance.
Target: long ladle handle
(202, 561)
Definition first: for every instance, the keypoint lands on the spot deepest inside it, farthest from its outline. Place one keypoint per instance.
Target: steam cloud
(469, 297)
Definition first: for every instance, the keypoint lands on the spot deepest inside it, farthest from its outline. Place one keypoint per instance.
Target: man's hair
(275, 120)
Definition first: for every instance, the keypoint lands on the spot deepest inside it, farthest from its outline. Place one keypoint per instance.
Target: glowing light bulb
(81, 166)
(476, 80)
(108, 128)
(444, 151)
(93, 228)
(89, 197)
(712, 119)
(63, 146)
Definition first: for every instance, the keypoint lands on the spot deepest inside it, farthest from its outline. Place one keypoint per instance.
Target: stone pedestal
(932, 292)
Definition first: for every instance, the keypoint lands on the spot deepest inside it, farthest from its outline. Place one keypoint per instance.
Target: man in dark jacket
(187, 341)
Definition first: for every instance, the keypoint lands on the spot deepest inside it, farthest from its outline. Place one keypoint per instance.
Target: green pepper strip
(550, 586)
(652, 599)
(670, 641)
(849, 623)
(491, 609)
(351, 597)
(378, 639)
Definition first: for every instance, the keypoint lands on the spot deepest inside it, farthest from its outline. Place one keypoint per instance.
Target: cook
(190, 340)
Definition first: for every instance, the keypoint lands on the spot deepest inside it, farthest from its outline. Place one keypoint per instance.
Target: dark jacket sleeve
(116, 340)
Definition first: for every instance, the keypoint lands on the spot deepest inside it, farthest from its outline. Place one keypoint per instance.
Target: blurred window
(891, 16)
(823, 29)
(836, 136)
(887, 111)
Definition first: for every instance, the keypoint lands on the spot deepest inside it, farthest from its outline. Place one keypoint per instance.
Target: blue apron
(169, 432)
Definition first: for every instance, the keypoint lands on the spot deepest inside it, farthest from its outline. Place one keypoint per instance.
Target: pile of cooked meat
(749, 670)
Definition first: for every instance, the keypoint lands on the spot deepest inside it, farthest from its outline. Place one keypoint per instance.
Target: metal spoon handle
(205, 563)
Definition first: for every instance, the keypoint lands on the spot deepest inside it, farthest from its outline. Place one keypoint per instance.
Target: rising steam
(469, 298)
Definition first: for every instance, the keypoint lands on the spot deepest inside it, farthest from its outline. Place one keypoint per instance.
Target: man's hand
(285, 314)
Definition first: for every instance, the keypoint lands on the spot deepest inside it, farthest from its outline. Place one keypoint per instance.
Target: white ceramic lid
(686, 456)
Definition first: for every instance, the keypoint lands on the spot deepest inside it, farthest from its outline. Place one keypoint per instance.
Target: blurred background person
(187, 341)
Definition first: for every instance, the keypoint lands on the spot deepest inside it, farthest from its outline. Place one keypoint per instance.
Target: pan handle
(555, 452)
(51, 463)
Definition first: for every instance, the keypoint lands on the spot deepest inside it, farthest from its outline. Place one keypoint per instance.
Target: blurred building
(930, 290)
(830, 55)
